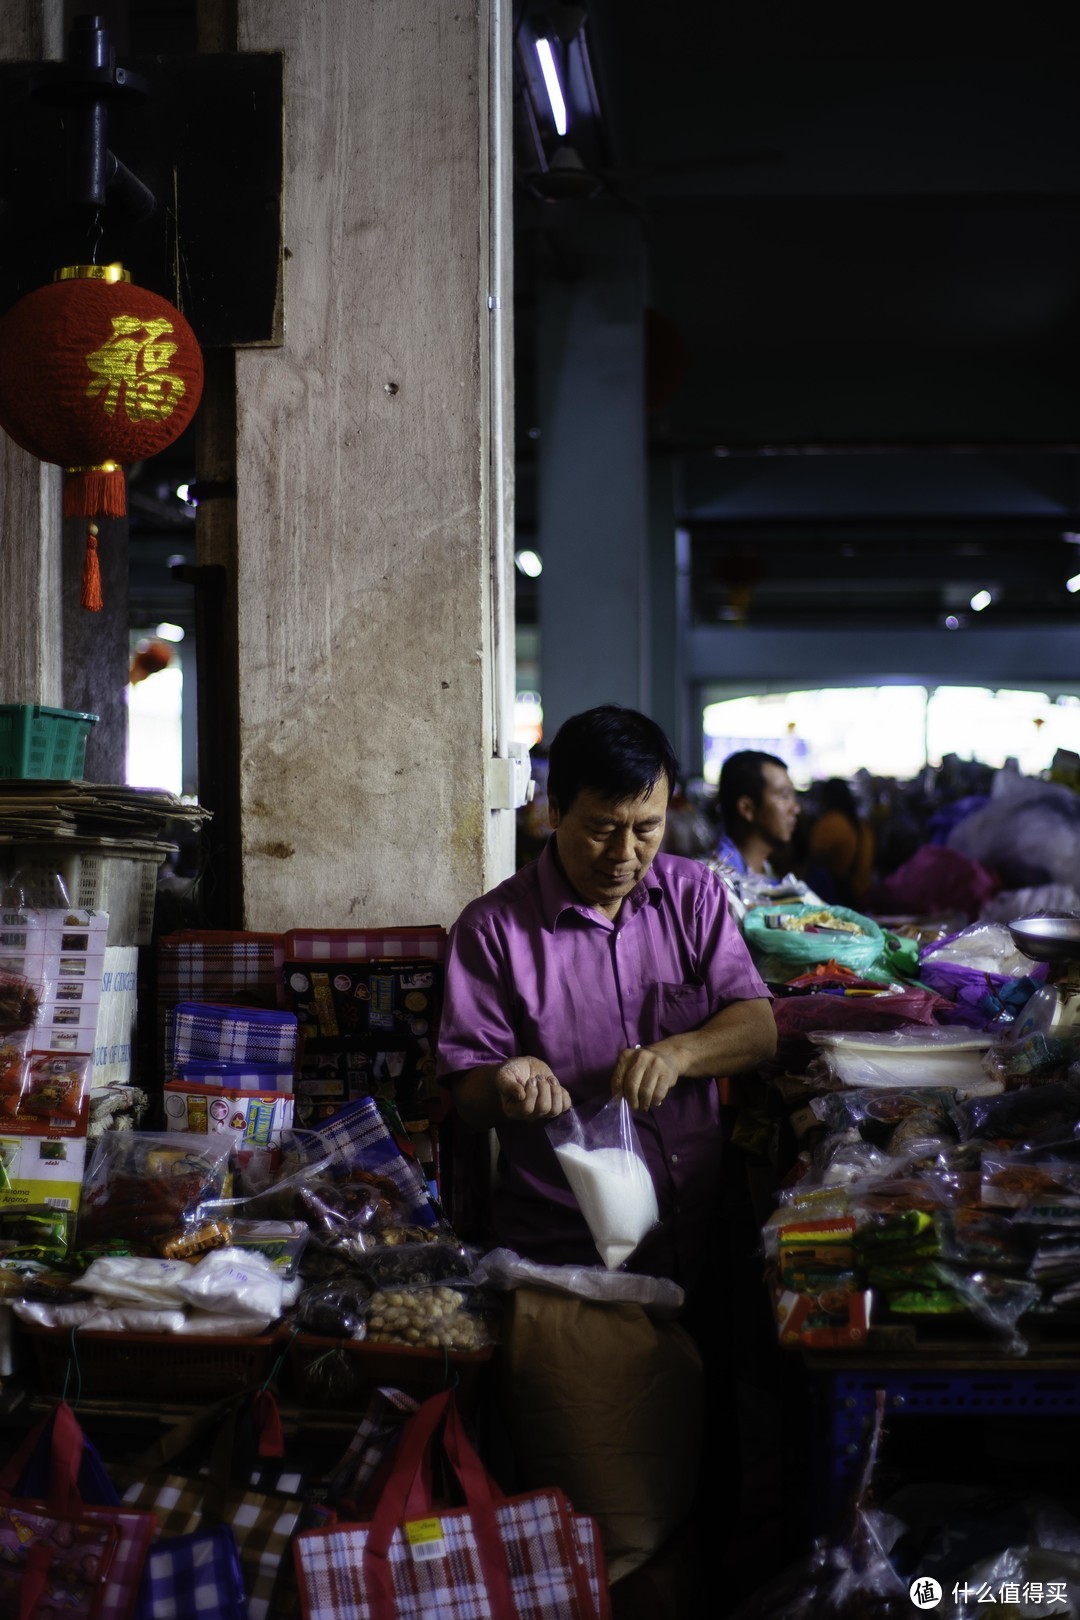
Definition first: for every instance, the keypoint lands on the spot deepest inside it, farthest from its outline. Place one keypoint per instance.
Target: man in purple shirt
(603, 968)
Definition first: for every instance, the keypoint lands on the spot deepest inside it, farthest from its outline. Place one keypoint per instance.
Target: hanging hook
(95, 232)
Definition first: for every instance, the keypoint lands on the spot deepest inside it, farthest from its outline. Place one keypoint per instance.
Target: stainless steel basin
(1047, 936)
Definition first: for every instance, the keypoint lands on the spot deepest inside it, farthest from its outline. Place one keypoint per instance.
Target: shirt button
(674, 1158)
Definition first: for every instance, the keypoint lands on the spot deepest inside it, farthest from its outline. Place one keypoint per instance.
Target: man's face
(777, 811)
(606, 848)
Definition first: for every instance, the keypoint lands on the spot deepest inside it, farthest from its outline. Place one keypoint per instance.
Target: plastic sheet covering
(504, 1270)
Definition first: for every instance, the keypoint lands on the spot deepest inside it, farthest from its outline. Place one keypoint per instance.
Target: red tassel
(90, 490)
(92, 598)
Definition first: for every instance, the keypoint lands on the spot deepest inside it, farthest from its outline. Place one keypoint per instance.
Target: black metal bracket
(84, 86)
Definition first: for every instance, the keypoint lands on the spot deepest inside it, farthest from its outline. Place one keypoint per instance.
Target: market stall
(923, 1122)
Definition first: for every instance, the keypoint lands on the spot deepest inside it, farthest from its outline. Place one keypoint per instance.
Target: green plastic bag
(795, 948)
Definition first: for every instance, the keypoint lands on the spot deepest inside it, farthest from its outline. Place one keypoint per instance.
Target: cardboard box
(114, 1036)
(252, 1118)
(41, 1169)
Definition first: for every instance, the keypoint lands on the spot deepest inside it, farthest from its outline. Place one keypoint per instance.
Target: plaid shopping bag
(496, 1558)
(50, 1563)
(358, 1135)
(228, 968)
(377, 1433)
(55, 1459)
(232, 1034)
(197, 1575)
(262, 1523)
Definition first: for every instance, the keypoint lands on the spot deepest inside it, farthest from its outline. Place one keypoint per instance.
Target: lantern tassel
(92, 598)
(89, 490)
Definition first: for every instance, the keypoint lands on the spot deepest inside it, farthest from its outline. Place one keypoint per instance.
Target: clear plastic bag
(236, 1283)
(409, 1264)
(601, 1159)
(145, 1189)
(334, 1310)
(443, 1316)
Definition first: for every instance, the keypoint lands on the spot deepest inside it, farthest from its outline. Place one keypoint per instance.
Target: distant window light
(552, 85)
(529, 563)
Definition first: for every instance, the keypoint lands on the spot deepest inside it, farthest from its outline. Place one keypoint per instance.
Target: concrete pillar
(31, 591)
(591, 485)
(372, 525)
(666, 589)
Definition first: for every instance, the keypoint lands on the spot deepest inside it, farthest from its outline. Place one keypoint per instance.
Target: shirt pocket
(677, 1008)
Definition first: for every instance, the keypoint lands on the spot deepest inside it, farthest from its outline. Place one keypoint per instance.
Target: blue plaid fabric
(359, 1136)
(194, 1577)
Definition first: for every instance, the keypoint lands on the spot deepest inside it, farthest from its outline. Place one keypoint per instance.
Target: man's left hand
(643, 1076)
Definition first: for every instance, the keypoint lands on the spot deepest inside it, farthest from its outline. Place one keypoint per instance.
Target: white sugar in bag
(616, 1195)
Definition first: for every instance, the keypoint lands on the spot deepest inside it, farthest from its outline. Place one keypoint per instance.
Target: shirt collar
(557, 897)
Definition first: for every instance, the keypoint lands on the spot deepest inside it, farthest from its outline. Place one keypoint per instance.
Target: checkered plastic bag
(523, 1557)
(196, 1575)
(55, 1459)
(357, 1134)
(232, 1034)
(262, 1523)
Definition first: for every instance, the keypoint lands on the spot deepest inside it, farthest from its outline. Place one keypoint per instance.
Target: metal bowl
(1047, 936)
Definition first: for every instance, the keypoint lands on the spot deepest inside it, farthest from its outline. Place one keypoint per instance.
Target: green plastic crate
(39, 742)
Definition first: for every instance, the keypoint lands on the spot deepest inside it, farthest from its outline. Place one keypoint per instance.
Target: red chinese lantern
(96, 373)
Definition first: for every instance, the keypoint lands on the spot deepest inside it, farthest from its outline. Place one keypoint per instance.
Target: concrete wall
(31, 607)
(373, 534)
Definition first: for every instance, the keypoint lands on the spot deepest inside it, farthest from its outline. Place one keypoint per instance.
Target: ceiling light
(1073, 584)
(981, 599)
(170, 632)
(565, 177)
(552, 85)
(529, 564)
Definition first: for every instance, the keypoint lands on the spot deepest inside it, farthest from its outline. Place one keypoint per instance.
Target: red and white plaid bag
(526, 1557)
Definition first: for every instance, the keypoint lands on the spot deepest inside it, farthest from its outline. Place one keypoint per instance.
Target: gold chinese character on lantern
(131, 365)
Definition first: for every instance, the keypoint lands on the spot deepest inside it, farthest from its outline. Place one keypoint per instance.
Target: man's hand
(527, 1090)
(644, 1076)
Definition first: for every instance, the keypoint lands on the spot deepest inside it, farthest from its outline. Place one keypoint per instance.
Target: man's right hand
(528, 1091)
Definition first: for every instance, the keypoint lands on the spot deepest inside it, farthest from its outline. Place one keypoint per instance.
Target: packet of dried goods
(148, 1189)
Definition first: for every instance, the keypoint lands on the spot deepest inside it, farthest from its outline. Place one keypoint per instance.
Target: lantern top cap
(92, 272)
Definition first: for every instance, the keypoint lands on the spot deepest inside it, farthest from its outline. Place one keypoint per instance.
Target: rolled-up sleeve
(475, 1026)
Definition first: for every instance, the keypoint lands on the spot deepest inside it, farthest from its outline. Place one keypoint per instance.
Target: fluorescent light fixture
(552, 85)
(981, 599)
(1073, 584)
(529, 563)
(170, 632)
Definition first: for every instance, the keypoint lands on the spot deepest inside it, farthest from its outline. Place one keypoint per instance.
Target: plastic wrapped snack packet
(600, 1158)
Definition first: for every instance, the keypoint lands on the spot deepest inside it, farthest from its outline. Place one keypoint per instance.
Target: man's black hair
(615, 752)
(742, 776)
